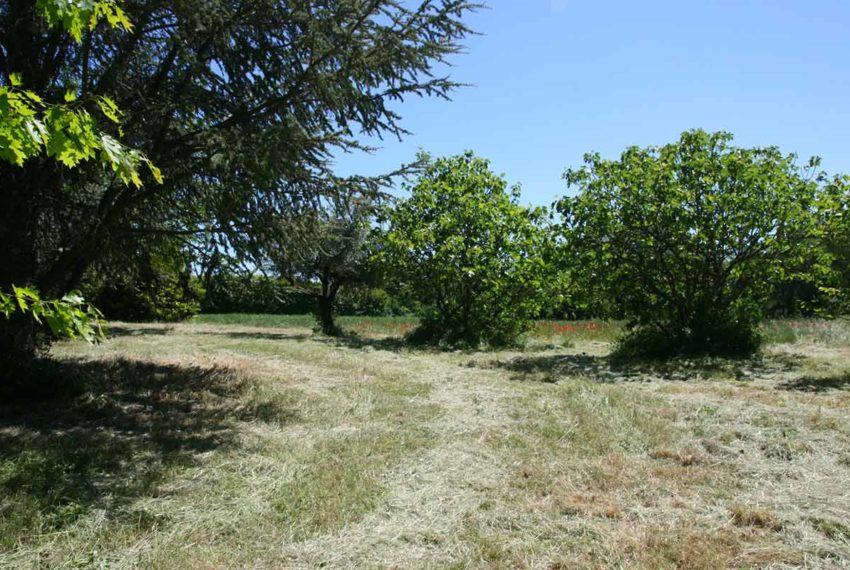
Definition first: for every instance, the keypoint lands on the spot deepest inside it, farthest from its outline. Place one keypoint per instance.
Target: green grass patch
(395, 326)
(832, 529)
(584, 418)
(340, 479)
(578, 331)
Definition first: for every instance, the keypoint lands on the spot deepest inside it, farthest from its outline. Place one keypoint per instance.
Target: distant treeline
(175, 297)
(259, 294)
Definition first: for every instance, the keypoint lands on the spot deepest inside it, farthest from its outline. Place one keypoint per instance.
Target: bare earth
(213, 446)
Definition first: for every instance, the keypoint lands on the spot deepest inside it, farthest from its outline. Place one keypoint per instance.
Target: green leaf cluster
(67, 131)
(70, 317)
(463, 247)
(77, 16)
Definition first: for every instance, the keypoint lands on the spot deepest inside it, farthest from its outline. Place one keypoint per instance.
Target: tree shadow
(551, 368)
(257, 335)
(815, 384)
(357, 342)
(612, 368)
(397, 343)
(109, 434)
(121, 330)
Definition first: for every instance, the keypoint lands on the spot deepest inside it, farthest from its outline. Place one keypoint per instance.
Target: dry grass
(761, 518)
(232, 446)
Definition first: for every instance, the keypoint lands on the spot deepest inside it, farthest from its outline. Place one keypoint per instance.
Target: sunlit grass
(605, 331)
(394, 326)
(208, 445)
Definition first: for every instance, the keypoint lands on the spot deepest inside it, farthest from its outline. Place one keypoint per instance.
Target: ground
(222, 445)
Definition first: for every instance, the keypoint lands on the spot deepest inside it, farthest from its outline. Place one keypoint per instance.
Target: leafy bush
(464, 249)
(230, 293)
(685, 240)
(371, 302)
(166, 301)
(818, 284)
(150, 281)
(255, 294)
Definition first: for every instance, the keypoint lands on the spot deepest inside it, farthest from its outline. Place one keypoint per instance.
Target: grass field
(248, 442)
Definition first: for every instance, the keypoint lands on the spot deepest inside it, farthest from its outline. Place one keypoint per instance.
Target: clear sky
(554, 79)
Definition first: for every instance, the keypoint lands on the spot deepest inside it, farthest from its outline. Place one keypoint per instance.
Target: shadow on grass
(110, 433)
(822, 384)
(357, 342)
(398, 343)
(256, 335)
(613, 368)
(122, 330)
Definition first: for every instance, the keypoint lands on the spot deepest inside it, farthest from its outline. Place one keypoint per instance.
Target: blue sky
(554, 79)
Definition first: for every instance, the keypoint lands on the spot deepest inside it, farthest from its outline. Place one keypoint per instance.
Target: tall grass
(815, 331)
(777, 331)
(395, 326)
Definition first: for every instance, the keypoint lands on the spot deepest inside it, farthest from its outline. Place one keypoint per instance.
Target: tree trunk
(325, 309)
(18, 345)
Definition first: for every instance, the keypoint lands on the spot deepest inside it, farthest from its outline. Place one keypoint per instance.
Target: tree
(468, 252)
(63, 132)
(685, 239)
(335, 255)
(241, 104)
(833, 255)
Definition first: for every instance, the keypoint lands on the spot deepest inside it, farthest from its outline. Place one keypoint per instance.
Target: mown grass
(145, 449)
(340, 479)
(202, 445)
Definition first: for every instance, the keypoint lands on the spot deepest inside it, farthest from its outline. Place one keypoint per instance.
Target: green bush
(274, 296)
(166, 301)
(370, 302)
(464, 248)
(687, 240)
(150, 282)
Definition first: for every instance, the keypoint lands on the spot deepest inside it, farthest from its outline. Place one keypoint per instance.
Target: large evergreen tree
(240, 103)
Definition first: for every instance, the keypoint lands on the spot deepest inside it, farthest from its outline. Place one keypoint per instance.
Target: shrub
(149, 282)
(464, 248)
(686, 240)
(231, 293)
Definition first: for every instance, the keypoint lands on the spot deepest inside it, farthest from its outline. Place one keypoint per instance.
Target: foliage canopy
(240, 105)
(468, 252)
(685, 239)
